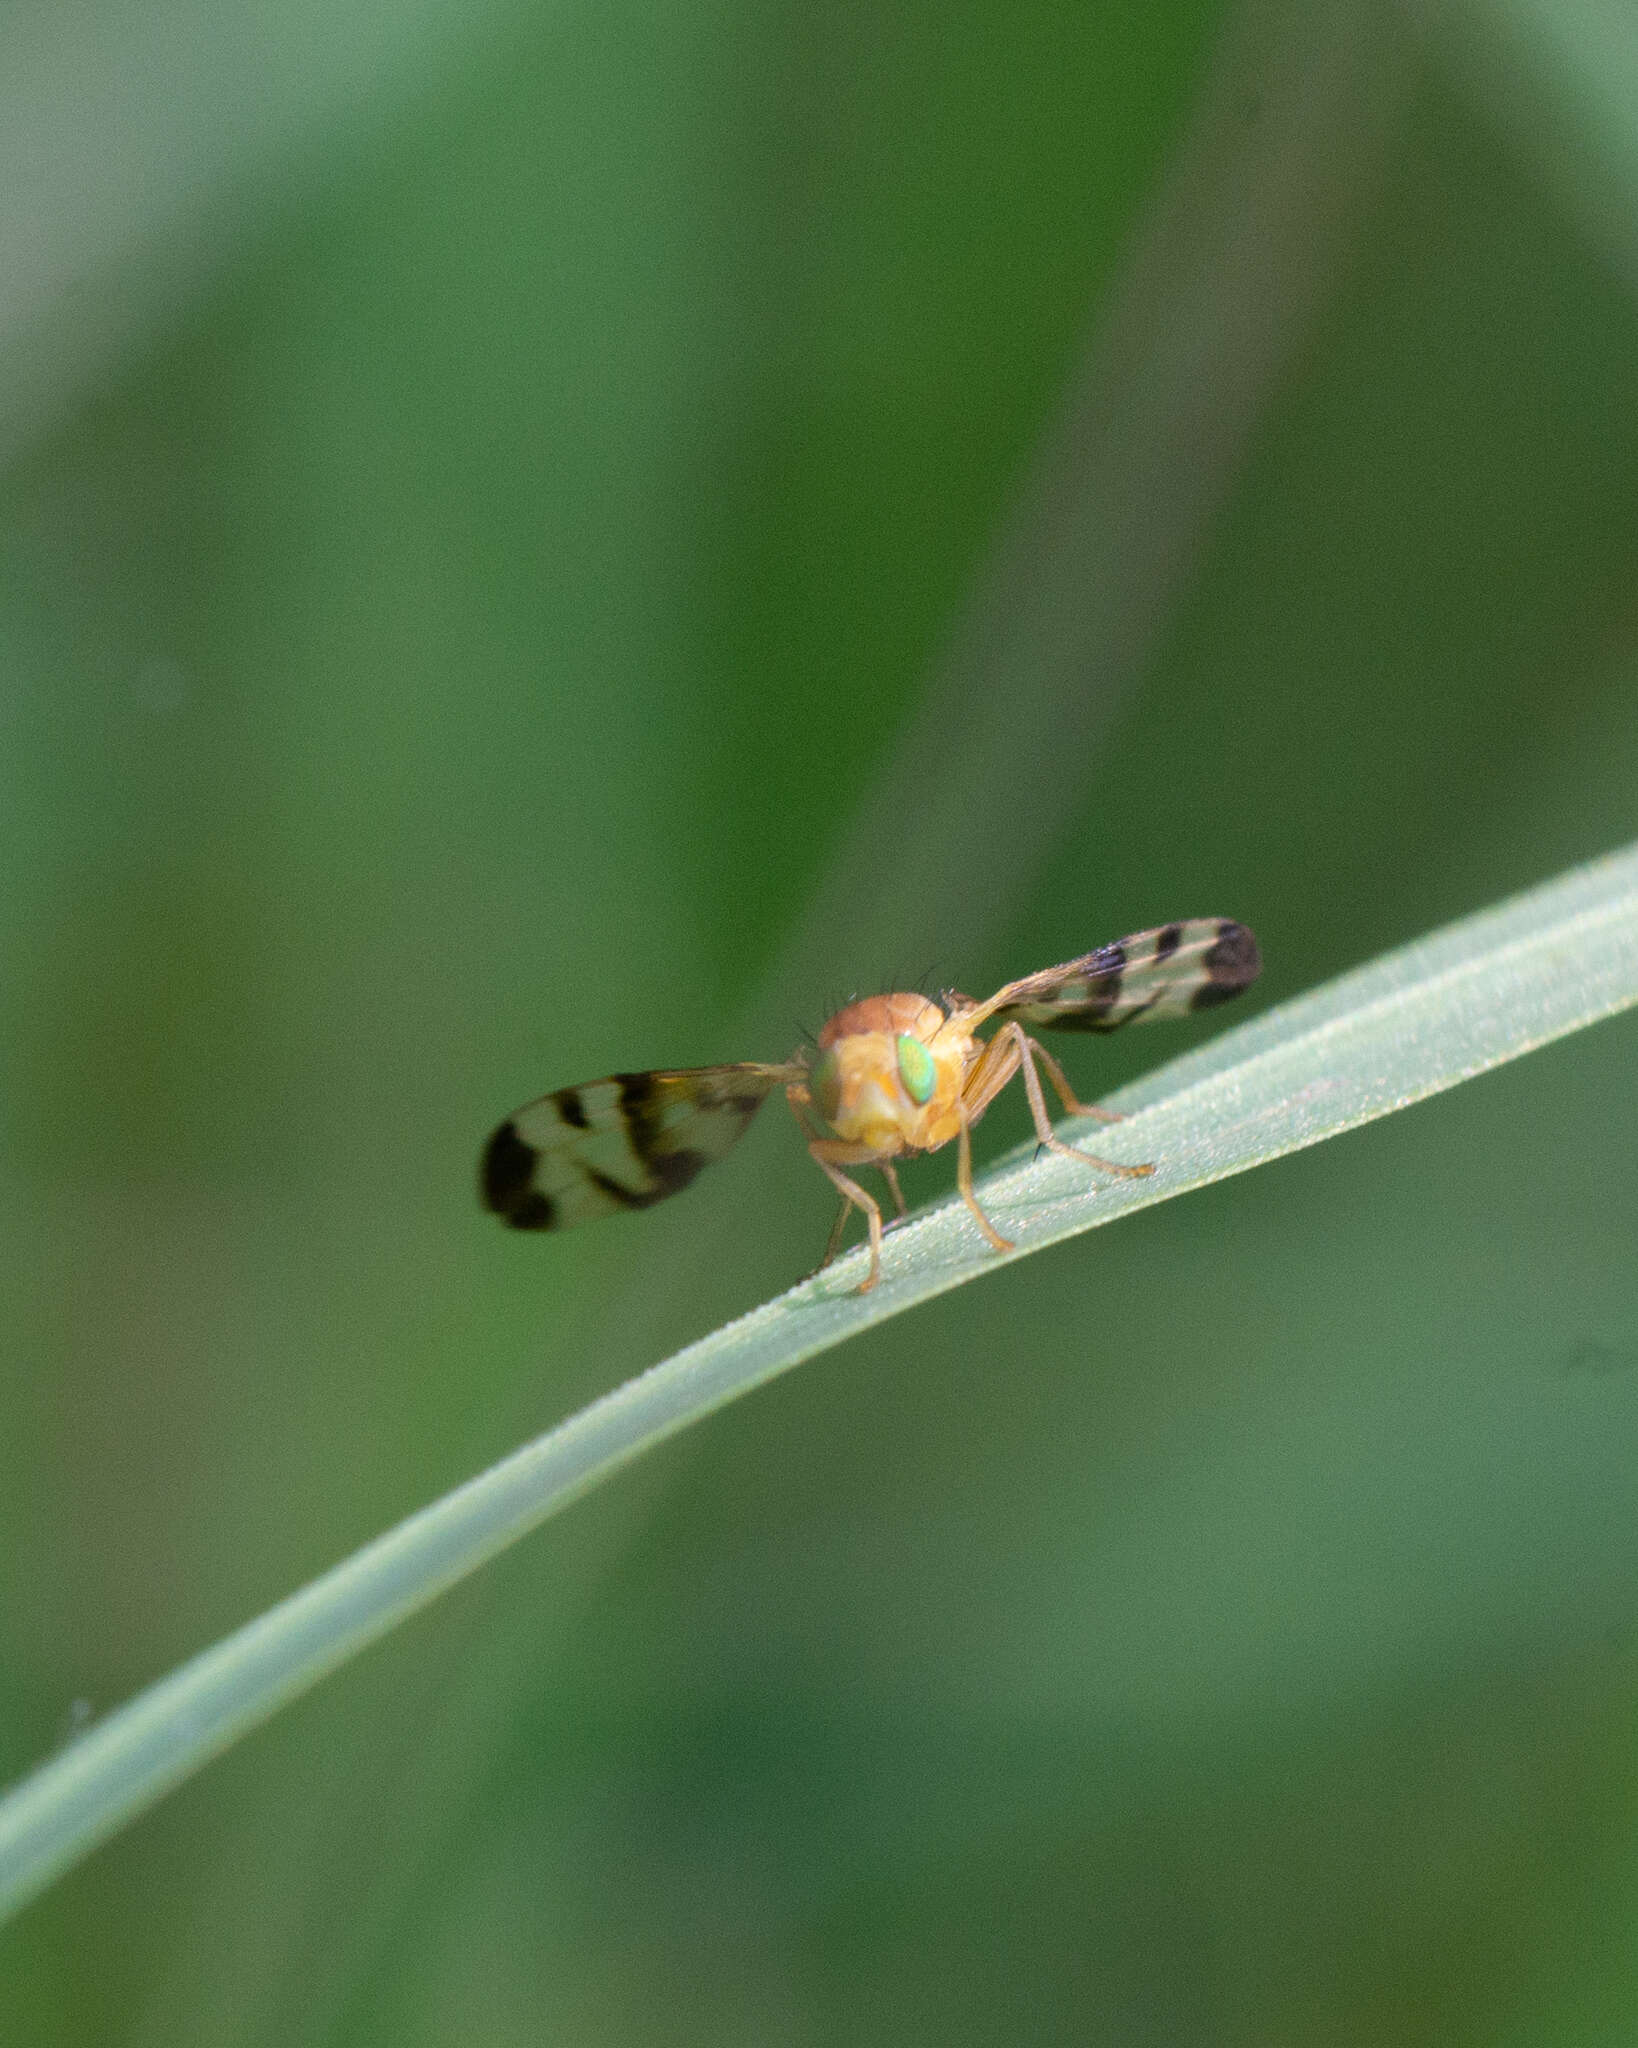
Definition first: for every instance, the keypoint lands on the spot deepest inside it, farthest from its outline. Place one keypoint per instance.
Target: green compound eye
(825, 1085)
(916, 1069)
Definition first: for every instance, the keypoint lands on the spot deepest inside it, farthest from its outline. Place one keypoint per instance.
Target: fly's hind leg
(1027, 1053)
(1060, 1082)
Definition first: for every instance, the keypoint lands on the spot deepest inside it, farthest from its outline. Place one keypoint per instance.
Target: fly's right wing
(621, 1143)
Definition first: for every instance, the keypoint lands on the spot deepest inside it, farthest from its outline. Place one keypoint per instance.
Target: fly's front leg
(830, 1155)
(1027, 1048)
(892, 1179)
(801, 1107)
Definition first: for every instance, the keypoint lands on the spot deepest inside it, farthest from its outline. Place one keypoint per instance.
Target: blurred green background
(536, 540)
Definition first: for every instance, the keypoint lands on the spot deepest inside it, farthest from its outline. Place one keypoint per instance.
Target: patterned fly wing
(1170, 972)
(623, 1143)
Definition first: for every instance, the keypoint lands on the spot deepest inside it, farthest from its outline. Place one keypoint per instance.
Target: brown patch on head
(905, 1012)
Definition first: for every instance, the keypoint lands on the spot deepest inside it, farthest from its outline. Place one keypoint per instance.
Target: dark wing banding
(622, 1143)
(1169, 972)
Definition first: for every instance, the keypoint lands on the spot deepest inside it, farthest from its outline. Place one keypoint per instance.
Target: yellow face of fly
(891, 1075)
(888, 1076)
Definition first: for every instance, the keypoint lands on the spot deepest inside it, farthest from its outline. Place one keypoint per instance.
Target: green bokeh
(444, 658)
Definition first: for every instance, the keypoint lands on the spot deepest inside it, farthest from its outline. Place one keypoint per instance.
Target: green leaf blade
(1408, 1026)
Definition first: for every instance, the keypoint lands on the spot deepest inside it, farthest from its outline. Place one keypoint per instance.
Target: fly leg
(1066, 1094)
(1027, 1050)
(891, 1177)
(830, 1155)
(964, 1181)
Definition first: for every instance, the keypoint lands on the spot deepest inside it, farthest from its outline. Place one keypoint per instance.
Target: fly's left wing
(1170, 972)
(622, 1143)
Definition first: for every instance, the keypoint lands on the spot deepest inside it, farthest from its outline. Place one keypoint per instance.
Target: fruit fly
(890, 1076)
